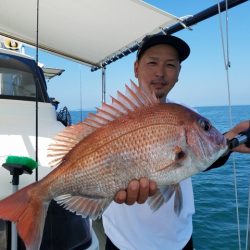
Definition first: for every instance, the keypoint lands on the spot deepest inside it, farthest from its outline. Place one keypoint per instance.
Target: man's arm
(244, 148)
(239, 128)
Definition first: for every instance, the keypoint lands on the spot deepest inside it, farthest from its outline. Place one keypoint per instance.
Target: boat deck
(99, 231)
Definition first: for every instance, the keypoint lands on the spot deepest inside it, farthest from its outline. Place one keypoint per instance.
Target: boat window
(17, 79)
(17, 83)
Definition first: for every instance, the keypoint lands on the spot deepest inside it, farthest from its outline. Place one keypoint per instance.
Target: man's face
(158, 70)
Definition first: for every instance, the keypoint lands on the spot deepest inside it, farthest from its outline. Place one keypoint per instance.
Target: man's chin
(159, 94)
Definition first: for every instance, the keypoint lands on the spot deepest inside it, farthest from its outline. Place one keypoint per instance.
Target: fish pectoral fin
(156, 201)
(178, 200)
(170, 165)
(168, 191)
(164, 194)
(84, 206)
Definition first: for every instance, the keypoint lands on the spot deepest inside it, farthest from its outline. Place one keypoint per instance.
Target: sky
(203, 80)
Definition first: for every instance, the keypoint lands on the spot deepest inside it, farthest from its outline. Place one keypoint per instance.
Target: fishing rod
(242, 138)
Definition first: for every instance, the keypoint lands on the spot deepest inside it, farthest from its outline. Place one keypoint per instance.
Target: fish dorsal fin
(134, 98)
(66, 140)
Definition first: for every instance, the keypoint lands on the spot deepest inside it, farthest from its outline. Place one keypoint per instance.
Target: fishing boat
(28, 113)
(24, 130)
(18, 78)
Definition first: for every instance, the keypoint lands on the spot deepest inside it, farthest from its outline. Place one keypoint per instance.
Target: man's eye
(152, 63)
(169, 65)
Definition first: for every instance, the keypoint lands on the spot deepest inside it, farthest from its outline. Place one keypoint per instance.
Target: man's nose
(159, 71)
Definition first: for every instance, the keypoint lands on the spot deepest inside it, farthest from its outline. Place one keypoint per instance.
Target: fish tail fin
(28, 212)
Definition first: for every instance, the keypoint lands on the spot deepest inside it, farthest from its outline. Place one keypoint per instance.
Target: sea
(221, 221)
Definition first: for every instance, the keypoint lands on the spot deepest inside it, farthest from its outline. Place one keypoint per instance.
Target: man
(136, 227)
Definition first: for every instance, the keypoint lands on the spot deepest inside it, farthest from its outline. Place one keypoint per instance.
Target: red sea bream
(136, 136)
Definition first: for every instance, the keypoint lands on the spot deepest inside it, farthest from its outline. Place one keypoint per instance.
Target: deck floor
(3, 240)
(99, 231)
(97, 226)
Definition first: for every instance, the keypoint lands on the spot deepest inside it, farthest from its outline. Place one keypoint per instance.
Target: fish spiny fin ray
(147, 99)
(134, 98)
(66, 140)
(84, 206)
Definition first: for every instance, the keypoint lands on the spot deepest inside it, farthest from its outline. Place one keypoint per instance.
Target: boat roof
(49, 73)
(90, 31)
(14, 53)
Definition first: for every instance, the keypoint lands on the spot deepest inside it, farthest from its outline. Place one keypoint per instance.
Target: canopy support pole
(103, 84)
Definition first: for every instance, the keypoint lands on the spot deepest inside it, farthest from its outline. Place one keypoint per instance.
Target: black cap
(149, 41)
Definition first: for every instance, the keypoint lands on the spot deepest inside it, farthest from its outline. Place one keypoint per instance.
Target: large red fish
(134, 137)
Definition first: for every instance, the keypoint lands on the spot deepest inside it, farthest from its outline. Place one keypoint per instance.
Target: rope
(227, 66)
(37, 38)
(248, 218)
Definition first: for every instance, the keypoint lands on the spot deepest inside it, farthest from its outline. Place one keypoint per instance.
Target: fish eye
(205, 124)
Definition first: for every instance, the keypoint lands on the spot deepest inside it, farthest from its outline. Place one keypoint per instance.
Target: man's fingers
(242, 149)
(137, 191)
(132, 192)
(152, 188)
(143, 190)
(121, 196)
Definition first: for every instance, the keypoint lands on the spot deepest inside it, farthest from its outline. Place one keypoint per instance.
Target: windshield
(17, 83)
(17, 79)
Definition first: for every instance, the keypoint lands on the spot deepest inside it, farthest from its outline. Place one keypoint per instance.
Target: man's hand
(137, 191)
(242, 126)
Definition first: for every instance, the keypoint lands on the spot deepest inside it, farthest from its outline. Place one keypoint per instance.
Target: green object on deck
(22, 160)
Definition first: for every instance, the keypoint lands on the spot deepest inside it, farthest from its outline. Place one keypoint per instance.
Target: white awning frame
(49, 73)
(87, 31)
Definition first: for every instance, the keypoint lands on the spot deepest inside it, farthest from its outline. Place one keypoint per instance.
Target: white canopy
(88, 31)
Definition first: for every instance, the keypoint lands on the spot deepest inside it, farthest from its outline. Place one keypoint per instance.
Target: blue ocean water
(215, 221)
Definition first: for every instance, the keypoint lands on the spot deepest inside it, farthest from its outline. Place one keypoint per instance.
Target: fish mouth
(223, 143)
(222, 148)
(213, 148)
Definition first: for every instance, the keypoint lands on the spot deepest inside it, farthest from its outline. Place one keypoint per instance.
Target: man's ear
(136, 68)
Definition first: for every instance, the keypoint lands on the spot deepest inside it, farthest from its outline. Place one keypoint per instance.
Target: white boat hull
(18, 138)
